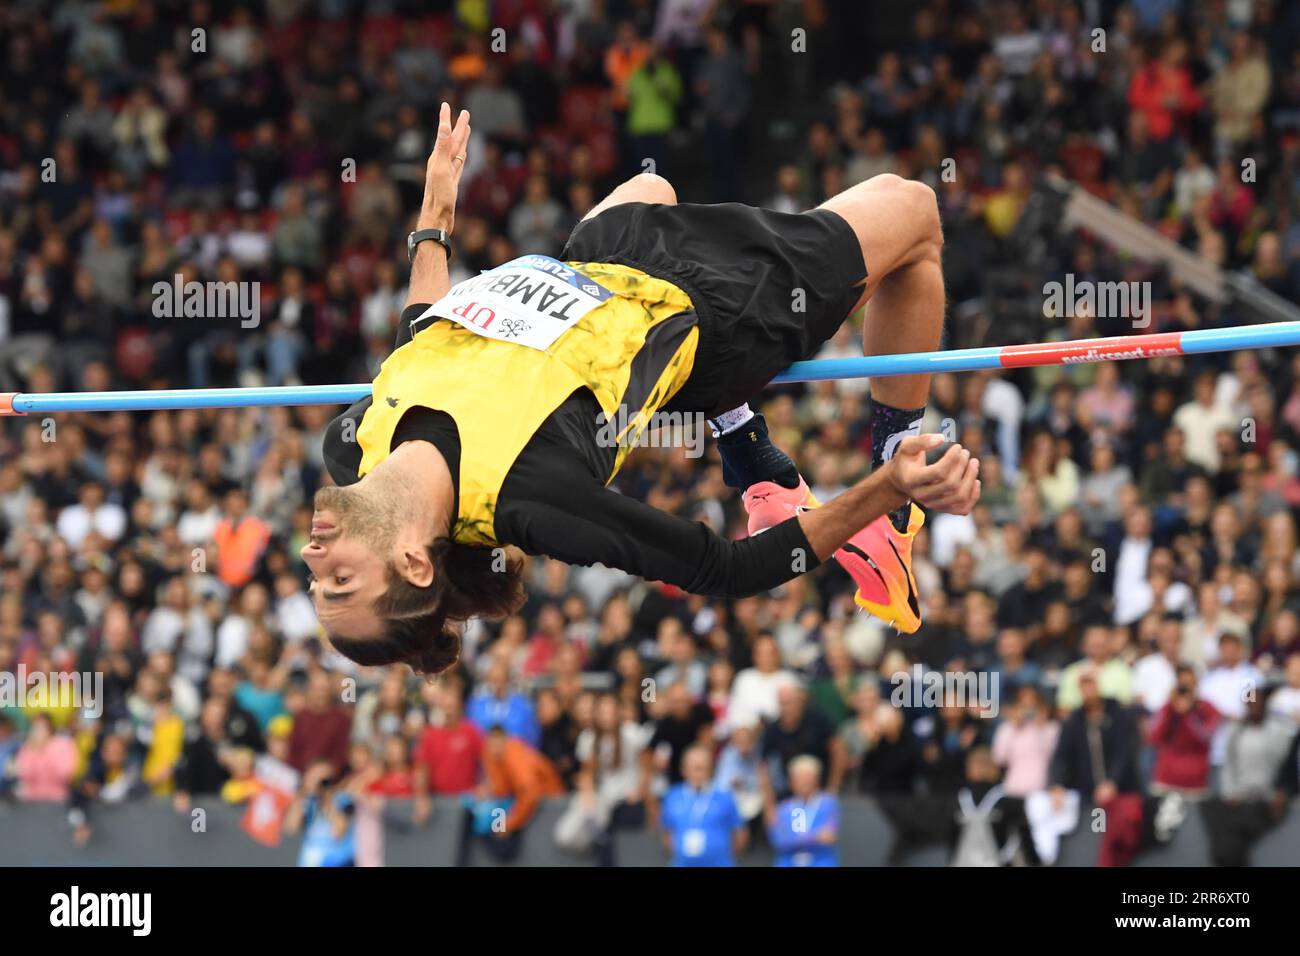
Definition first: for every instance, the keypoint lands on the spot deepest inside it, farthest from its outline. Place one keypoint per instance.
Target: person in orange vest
(516, 778)
(241, 539)
(624, 57)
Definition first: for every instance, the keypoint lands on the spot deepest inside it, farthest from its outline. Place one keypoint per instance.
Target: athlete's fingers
(943, 477)
(965, 496)
(444, 120)
(459, 144)
(440, 154)
(918, 444)
(926, 479)
(962, 499)
(957, 496)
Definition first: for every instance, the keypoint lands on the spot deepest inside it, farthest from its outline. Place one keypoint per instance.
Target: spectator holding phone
(1023, 745)
(324, 813)
(1181, 733)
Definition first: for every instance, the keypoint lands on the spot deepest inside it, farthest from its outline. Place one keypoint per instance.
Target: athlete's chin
(334, 502)
(351, 624)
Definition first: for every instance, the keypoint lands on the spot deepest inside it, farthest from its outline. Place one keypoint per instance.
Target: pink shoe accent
(768, 504)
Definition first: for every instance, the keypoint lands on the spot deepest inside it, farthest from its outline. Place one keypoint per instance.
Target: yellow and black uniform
(632, 354)
(521, 428)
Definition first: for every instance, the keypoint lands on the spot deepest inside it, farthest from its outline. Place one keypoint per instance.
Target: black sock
(748, 457)
(889, 426)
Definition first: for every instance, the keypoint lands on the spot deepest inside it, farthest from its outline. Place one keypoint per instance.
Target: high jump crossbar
(1076, 352)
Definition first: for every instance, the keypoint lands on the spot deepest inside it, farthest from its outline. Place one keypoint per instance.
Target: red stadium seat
(284, 42)
(1083, 162)
(604, 152)
(331, 33)
(435, 30)
(384, 31)
(582, 108)
(177, 223)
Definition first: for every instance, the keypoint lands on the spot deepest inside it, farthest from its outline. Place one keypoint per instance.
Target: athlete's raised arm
(430, 278)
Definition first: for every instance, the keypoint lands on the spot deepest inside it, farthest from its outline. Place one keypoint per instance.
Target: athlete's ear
(414, 565)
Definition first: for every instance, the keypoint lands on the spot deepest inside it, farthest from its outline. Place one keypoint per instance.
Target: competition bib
(531, 301)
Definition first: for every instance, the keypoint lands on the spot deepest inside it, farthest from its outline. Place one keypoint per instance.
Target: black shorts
(769, 287)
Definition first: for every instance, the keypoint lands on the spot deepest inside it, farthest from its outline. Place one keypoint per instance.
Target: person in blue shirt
(805, 827)
(740, 766)
(10, 743)
(496, 705)
(701, 824)
(325, 814)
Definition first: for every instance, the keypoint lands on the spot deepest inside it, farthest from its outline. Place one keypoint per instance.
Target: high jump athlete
(484, 427)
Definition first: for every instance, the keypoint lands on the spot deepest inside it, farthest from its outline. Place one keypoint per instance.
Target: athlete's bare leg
(644, 187)
(897, 224)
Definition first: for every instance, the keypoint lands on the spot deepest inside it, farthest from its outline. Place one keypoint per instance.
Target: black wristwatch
(440, 236)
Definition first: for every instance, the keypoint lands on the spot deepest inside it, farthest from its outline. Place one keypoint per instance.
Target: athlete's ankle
(748, 457)
(889, 426)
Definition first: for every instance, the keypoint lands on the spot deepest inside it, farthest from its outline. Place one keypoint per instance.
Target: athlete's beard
(371, 519)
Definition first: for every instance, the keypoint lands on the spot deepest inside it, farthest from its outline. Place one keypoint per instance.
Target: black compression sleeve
(589, 523)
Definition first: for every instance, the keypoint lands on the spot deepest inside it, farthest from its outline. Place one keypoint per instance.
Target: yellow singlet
(499, 393)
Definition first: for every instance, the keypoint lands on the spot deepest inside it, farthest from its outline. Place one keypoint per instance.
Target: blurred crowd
(1131, 577)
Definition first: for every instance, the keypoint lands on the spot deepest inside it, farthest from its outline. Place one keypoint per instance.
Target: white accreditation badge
(694, 839)
(530, 301)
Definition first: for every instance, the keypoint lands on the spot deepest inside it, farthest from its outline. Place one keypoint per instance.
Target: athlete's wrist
(434, 219)
(889, 472)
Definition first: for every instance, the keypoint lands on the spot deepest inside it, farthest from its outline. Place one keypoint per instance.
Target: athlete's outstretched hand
(951, 484)
(442, 172)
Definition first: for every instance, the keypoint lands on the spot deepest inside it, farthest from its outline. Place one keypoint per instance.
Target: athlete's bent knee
(917, 201)
(927, 212)
(652, 187)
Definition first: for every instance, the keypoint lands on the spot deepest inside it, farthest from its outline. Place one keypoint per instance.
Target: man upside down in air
(484, 425)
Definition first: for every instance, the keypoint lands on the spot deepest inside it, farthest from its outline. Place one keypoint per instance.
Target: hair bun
(437, 655)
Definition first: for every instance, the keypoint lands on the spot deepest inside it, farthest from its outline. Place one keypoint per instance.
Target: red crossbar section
(7, 404)
(1114, 349)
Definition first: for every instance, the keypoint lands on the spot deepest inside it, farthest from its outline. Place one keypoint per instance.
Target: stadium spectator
(1096, 755)
(202, 767)
(495, 704)
(1113, 675)
(515, 779)
(321, 728)
(612, 752)
(45, 764)
(797, 731)
(683, 723)
(324, 813)
(1024, 743)
(447, 755)
(701, 824)
(1181, 732)
(805, 827)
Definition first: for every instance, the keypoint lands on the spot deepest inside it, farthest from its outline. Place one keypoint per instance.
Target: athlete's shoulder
(340, 449)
